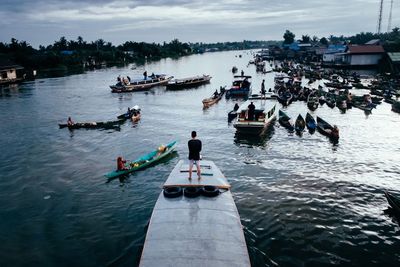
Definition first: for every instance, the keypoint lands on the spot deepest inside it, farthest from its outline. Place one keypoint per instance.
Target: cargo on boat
(140, 84)
(195, 222)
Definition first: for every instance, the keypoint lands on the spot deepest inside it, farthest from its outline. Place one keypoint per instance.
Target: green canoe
(143, 161)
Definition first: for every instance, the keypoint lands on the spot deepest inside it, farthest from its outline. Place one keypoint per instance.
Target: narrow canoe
(143, 161)
(284, 120)
(393, 201)
(326, 129)
(208, 102)
(197, 231)
(310, 122)
(93, 125)
(299, 124)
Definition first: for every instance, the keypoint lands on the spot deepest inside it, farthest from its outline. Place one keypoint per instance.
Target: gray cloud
(42, 22)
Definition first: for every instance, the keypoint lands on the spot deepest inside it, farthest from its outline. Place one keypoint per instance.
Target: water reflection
(255, 140)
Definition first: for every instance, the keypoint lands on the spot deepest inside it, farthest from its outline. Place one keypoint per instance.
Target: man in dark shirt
(251, 109)
(194, 154)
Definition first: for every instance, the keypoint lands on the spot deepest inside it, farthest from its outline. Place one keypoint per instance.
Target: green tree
(323, 41)
(305, 39)
(288, 37)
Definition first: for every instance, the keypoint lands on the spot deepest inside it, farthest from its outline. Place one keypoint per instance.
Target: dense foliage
(79, 52)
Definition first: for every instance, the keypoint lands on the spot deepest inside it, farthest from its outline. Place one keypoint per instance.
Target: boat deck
(210, 175)
(201, 231)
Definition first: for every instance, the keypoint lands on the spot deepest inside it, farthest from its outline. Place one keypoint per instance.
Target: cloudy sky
(43, 22)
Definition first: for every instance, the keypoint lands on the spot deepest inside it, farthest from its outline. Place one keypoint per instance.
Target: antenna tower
(380, 17)
(390, 17)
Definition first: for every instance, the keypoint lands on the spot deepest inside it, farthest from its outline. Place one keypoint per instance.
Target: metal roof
(197, 232)
(394, 56)
(365, 49)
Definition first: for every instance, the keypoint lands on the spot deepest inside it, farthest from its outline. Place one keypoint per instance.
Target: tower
(378, 30)
(389, 28)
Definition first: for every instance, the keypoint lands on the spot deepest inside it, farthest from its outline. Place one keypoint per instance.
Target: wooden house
(362, 55)
(10, 72)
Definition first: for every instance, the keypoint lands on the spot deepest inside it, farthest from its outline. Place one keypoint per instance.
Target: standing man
(194, 154)
(251, 111)
(145, 75)
(263, 88)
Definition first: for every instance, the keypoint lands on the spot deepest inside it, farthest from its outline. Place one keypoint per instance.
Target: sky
(41, 22)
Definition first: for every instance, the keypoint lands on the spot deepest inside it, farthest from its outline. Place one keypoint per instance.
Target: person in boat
(145, 75)
(236, 107)
(251, 110)
(152, 75)
(161, 149)
(242, 72)
(216, 94)
(335, 131)
(263, 91)
(194, 146)
(121, 164)
(70, 122)
(245, 83)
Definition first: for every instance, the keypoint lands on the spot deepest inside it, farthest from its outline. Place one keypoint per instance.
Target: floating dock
(199, 231)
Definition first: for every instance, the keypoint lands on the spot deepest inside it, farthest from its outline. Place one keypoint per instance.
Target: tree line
(78, 52)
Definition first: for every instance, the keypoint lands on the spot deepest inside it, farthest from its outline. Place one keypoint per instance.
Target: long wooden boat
(310, 122)
(195, 222)
(208, 102)
(299, 124)
(284, 120)
(144, 161)
(263, 116)
(326, 129)
(241, 86)
(393, 201)
(140, 85)
(92, 125)
(188, 82)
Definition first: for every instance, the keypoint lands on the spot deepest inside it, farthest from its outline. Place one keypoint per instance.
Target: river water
(303, 201)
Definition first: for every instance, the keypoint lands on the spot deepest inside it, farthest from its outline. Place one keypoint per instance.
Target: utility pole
(380, 17)
(390, 17)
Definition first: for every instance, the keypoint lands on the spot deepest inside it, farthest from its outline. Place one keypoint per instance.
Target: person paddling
(70, 122)
(121, 164)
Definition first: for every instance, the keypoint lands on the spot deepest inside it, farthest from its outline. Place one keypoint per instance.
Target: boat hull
(143, 161)
(139, 87)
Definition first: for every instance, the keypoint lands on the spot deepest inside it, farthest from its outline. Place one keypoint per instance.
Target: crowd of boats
(218, 231)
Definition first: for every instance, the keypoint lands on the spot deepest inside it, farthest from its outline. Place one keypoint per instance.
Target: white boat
(195, 231)
(264, 115)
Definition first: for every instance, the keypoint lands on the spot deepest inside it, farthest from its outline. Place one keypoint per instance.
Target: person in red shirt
(121, 164)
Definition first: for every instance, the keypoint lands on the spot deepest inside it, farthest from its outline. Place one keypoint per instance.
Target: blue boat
(310, 123)
(241, 87)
